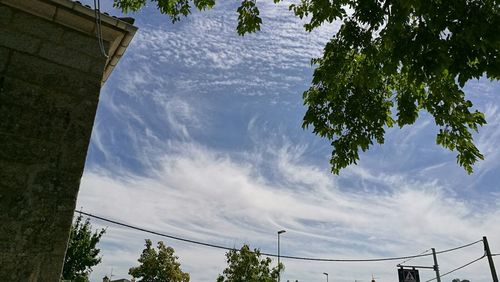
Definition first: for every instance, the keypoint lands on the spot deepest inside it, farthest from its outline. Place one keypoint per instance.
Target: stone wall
(50, 78)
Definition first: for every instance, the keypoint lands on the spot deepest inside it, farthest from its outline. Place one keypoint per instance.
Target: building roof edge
(117, 32)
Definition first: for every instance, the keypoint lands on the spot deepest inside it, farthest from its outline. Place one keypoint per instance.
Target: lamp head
(325, 273)
(281, 231)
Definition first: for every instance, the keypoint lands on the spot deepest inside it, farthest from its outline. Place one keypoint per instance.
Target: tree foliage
(245, 265)
(82, 252)
(390, 60)
(161, 266)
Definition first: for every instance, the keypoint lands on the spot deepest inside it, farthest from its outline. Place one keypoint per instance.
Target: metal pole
(490, 259)
(279, 269)
(436, 266)
(326, 276)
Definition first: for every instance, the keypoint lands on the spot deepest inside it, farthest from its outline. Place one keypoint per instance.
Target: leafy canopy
(390, 60)
(161, 266)
(82, 253)
(245, 265)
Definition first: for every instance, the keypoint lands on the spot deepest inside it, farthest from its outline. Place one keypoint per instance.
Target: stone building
(51, 71)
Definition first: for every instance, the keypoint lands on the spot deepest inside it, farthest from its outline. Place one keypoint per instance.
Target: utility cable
(267, 254)
(459, 247)
(98, 24)
(154, 232)
(407, 260)
(458, 268)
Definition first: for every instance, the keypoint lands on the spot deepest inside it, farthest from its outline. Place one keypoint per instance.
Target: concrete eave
(82, 18)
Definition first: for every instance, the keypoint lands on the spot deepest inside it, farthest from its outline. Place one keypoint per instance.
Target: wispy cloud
(208, 196)
(198, 135)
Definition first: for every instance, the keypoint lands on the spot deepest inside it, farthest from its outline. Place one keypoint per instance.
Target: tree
(245, 265)
(82, 253)
(390, 60)
(161, 266)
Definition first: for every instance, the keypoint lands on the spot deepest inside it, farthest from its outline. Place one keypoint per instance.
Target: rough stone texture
(50, 78)
(19, 41)
(29, 24)
(4, 57)
(5, 15)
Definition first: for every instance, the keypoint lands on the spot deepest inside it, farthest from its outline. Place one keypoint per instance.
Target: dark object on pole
(407, 275)
(490, 259)
(279, 269)
(436, 266)
(326, 276)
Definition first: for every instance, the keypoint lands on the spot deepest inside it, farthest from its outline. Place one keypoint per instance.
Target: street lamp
(279, 270)
(326, 274)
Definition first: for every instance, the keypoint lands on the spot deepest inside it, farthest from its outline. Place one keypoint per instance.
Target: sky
(198, 135)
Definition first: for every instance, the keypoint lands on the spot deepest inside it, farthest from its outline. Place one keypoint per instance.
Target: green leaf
(248, 18)
(389, 59)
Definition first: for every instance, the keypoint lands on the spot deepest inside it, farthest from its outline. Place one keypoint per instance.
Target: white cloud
(161, 98)
(208, 196)
(205, 53)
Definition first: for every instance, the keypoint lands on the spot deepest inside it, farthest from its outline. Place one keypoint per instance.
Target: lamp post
(326, 274)
(279, 270)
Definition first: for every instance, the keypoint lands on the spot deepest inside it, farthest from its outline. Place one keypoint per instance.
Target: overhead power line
(268, 254)
(407, 260)
(459, 247)
(154, 232)
(458, 268)
(98, 26)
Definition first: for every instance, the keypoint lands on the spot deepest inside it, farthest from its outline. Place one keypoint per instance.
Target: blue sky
(198, 135)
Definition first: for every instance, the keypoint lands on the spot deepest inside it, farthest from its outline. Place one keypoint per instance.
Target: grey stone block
(4, 57)
(19, 41)
(82, 42)
(19, 93)
(84, 113)
(12, 175)
(35, 26)
(65, 56)
(57, 183)
(74, 146)
(27, 95)
(49, 124)
(97, 69)
(25, 150)
(5, 15)
(52, 76)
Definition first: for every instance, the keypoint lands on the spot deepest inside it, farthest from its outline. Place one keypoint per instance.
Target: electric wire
(98, 24)
(267, 254)
(459, 247)
(494, 255)
(407, 260)
(458, 268)
(154, 232)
